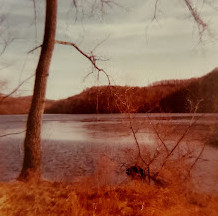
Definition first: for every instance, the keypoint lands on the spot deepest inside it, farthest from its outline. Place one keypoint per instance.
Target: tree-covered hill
(201, 95)
(191, 95)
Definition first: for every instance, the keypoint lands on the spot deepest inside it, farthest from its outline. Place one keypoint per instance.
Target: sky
(134, 50)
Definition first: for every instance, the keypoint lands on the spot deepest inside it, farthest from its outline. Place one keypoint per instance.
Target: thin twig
(37, 47)
(14, 90)
(137, 144)
(202, 26)
(35, 18)
(177, 143)
(196, 160)
(155, 10)
(4, 47)
(158, 135)
(100, 43)
(9, 134)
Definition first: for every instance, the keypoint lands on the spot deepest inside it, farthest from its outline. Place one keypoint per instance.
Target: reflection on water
(76, 145)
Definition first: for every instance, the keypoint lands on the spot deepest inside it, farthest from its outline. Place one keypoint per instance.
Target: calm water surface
(86, 145)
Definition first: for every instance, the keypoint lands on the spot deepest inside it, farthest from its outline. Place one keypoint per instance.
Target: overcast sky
(138, 51)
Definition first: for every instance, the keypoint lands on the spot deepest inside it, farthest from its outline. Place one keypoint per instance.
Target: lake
(75, 146)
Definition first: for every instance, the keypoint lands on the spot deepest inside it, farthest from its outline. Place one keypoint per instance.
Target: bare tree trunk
(32, 145)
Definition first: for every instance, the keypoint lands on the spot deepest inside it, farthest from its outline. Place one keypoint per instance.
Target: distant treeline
(183, 96)
(112, 99)
(14, 105)
(200, 95)
(173, 82)
(193, 95)
(17, 105)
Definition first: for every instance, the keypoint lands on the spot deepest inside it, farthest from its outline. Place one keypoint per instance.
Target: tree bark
(32, 144)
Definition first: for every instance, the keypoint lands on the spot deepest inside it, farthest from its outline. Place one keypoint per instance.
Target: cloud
(139, 51)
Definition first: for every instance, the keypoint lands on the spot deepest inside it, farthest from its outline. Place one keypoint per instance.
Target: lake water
(75, 146)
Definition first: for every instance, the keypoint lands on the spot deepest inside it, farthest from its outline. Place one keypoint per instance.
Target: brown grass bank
(86, 198)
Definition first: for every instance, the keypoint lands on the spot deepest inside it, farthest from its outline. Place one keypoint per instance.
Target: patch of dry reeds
(84, 198)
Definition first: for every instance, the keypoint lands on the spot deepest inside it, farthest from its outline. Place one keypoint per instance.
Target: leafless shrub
(159, 160)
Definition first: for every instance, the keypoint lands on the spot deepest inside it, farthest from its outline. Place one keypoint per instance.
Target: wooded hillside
(191, 95)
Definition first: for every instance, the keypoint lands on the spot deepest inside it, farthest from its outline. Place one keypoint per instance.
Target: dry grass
(85, 198)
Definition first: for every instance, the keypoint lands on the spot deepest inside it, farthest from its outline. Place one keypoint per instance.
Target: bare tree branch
(196, 160)
(202, 26)
(139, 150)
(4, 47)
(9, 134)
(200, 22)
(178, 142)
(32, 50)
(158, 135)
(92, 58)
(155, 10)
(100, 43)
(14, 90)
(137, 143)
(35, 18)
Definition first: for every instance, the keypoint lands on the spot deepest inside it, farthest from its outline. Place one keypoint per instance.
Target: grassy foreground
(86, 198)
